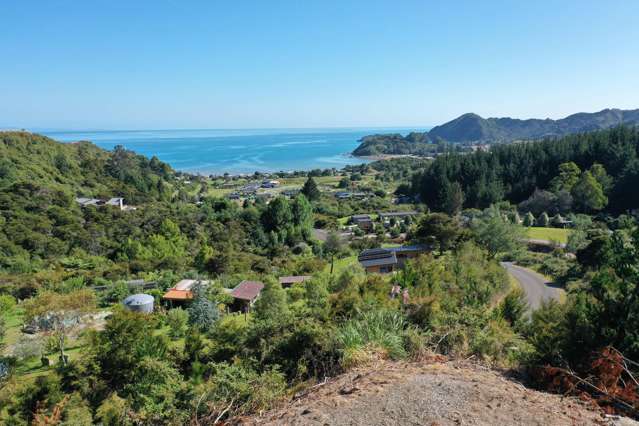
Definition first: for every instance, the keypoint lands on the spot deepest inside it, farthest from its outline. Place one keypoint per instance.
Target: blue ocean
(236, 151)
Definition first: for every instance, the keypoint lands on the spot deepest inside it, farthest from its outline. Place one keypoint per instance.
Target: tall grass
(373, 334)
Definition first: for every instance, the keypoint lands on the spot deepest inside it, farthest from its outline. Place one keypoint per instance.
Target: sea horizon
(237, 151)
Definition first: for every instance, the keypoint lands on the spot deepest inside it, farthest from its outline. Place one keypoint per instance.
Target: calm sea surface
(236, 151)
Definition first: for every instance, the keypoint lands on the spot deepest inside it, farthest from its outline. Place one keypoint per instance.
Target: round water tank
(139, 303)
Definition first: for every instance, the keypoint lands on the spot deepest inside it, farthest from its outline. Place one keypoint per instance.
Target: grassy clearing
(342, 264)
(550, 234)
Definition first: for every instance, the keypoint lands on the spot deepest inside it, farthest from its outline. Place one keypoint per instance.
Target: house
(379, 260)
(363, 221)
(182, 292)
(113, 202)
(84, 202)
(270, 183)
(294, 279)
(116, 202)
(245, 294)
(385, 260)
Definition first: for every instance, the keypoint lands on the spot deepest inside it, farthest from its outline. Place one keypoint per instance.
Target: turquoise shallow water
(236, 151)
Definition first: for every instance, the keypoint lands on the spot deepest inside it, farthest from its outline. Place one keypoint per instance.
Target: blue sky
(240, 64)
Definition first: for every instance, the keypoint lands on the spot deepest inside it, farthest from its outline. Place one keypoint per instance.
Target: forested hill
(586, 172)
(471, 128)
(33, 161)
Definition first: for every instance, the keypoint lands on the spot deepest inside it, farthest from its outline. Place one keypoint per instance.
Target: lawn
(549, 234)
(342, 264)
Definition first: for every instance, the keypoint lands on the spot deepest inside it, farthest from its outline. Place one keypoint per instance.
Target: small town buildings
(245, 294)
(380, 260)
(96, 202)
(270, 183)
(343, 195)
(363, 221)
(399, 216)
(182, 292)
(294, 279)
(385, 260)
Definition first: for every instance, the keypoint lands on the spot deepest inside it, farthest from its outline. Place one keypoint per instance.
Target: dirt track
(429, 394)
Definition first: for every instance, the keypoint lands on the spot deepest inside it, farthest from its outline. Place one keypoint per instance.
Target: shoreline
(383, 157)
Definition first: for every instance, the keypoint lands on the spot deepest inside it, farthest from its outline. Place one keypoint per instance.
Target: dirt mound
(430, 393)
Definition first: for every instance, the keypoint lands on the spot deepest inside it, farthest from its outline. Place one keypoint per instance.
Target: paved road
(534, 284)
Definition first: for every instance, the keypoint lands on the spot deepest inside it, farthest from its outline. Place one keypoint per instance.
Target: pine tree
(529, 220)
(543, 220)
(310, 189)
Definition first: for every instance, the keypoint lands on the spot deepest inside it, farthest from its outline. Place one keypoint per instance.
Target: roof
(294, 279)
(186, 285)
(247, 290)
(377, 257)
(173, 294)
(408, 248)
(88, 201)
(138, 299)
(360, 216)
(398, 214)
(115, 201)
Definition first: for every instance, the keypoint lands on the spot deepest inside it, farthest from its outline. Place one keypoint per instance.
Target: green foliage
(498, 235)
(513, 307)
(588, 193)
(113, 411)
(177, 319)
(271, 305)
(439, 230)
(373, 333)
(7, 304)
(529, 219)
(239, 390)
(155, 392)
(543, 220)
(514, 171)
(202, 313)
(310, 190)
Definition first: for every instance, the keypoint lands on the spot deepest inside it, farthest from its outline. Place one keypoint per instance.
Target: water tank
(139, 303)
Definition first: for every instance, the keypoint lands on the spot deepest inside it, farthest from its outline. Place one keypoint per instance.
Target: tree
(543, 220)
(599, 173)
(332, 246)
(310, 189)
(271, 305)
(568, 176)
(302, 215)
(61, 313)
(452, 198)
(439, 229)
(278, 215)
(202, 313)
(177, 319)
(529, 220)
(588, 193)
(498, 235)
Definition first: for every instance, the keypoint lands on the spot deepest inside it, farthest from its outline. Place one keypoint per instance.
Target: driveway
(536, 287)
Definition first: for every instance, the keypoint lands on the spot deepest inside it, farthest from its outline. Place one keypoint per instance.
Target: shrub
(376, 332)
(239, 390)
(177, 319)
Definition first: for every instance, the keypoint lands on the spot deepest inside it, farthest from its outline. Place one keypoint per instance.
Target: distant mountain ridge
(472, 128)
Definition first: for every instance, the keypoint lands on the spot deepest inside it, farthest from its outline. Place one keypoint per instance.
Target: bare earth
(436, 393)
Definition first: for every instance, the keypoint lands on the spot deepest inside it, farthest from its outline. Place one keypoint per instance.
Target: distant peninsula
(473, 129)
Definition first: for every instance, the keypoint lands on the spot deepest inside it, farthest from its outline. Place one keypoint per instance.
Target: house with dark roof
(380, 260)
(390, 259)
(294, 279)
(362, 221)
(245, 294)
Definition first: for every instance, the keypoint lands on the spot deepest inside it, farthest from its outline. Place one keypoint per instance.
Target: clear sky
(253, 64)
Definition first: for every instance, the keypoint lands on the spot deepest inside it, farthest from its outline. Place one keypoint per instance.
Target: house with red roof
(245, 294)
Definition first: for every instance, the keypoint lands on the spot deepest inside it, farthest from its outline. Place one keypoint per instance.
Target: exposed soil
(431, 393)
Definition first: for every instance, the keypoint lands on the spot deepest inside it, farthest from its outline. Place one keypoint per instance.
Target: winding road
(535, 286)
